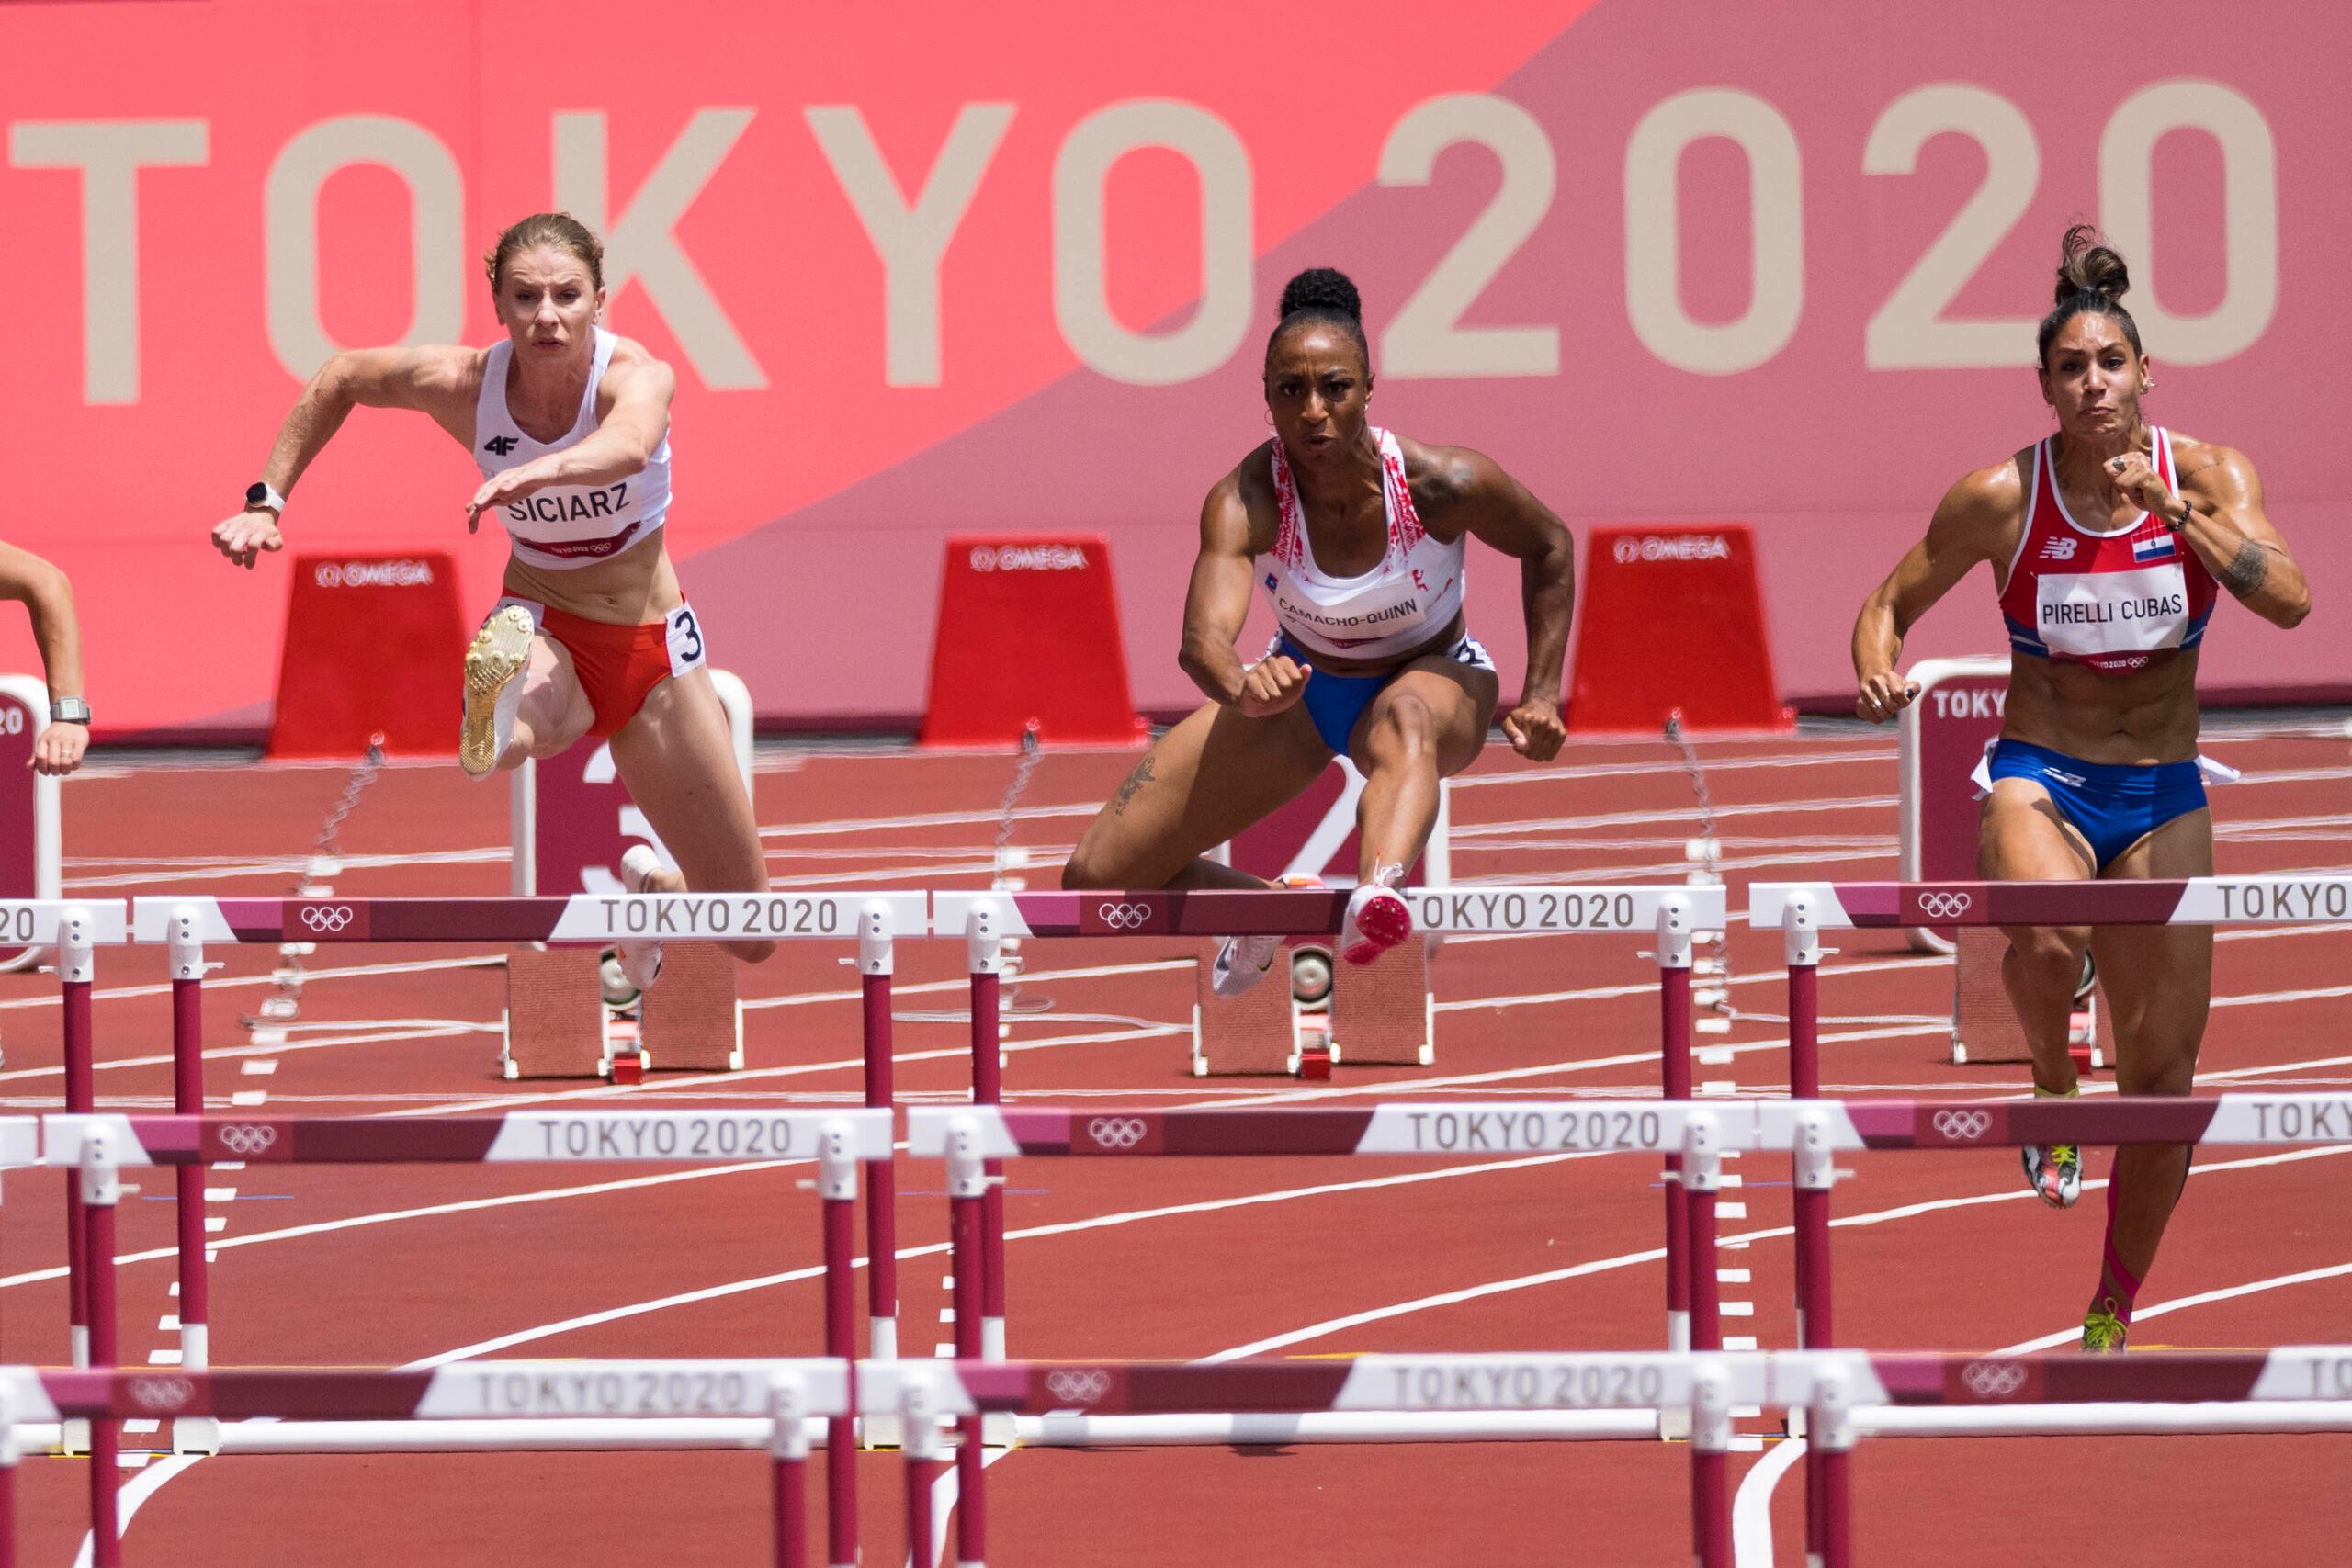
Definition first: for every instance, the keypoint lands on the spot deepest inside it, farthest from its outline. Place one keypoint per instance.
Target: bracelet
(2187, 513)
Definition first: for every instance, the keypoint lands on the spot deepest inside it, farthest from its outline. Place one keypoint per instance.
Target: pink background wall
(831, 431)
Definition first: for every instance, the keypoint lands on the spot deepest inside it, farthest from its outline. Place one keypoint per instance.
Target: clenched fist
(1271, 685)
(1883, 695)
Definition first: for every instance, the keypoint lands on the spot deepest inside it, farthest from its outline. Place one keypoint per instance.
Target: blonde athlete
(570, 428)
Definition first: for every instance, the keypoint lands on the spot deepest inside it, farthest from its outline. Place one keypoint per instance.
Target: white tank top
(1411, 596)
(566, 526)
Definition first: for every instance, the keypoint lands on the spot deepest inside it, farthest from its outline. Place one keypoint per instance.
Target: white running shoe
(640, 961)
(1378, 918)
(495, 667)
(1242, 963)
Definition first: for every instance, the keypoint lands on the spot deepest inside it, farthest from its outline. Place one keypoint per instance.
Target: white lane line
(368, 1036)
(231, 982)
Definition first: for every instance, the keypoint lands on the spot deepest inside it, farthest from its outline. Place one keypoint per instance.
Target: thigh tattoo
(1134, 782)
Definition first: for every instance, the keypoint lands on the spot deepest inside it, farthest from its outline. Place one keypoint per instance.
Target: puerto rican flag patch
(2155, 547)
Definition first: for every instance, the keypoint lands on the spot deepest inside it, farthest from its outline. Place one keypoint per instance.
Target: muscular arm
(431, 379)
(48, 598)
(1218, 601)
(1967, 530)
(2229, 532)
(1500, 512)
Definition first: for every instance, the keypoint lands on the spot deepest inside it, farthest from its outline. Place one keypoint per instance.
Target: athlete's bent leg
(2022, 837)
(1214, 774)
(1430, 723)
(2159, 983)
(1427, 724)
(678, 760)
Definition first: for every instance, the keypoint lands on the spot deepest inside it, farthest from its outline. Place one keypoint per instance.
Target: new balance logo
(2058, 549)
(502, 445)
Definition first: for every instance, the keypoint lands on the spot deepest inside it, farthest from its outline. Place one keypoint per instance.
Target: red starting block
(1716, 668)
(372, 647)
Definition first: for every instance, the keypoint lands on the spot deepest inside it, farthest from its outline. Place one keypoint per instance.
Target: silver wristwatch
(69, 710)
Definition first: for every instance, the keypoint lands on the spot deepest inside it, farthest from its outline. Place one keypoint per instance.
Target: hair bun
(1322, 288)
(2088, 265)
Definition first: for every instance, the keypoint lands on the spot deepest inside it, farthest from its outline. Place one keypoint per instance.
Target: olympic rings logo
(1994, 1379)
(1964, 1126)
(1115, 1131)
(1123, 916)
(247, 1137)
(1078, 1385)
(1942, 904)
(162, 1393)
(326, 918)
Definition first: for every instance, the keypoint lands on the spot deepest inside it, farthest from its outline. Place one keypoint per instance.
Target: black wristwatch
(69, 710)
(259, 497)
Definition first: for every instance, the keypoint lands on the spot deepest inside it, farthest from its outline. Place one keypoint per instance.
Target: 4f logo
(2058, 549)
(500, 444)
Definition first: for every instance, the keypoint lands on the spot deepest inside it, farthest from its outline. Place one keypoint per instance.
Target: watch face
(256, 494)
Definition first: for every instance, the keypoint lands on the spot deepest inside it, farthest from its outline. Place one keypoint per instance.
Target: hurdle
(74, 928)
(96, 1146)
(784, 1395)
(1849, 1394)
(1801, 912)
(1669, 914)
(976, 1140)
(869, 918)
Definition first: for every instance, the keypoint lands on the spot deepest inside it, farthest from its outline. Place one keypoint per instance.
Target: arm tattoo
(1126, 790)
(2247, 570)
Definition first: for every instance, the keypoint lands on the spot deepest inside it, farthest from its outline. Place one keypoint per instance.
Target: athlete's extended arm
(48, 598)
(1501, 512)
(2218, 511)
(430, 378)
(1217, 603)
(1962, 533)
(620, 447)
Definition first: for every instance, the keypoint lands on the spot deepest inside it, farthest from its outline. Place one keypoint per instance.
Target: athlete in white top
(570, 428)
(2096, 773)
(1357, 536)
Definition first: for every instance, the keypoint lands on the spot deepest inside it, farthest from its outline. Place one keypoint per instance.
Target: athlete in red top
(2106, 540)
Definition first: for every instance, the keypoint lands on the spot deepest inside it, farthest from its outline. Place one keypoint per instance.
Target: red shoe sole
(1383, 923)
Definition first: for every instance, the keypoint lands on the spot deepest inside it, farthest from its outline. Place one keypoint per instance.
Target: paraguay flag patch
(2155, 547)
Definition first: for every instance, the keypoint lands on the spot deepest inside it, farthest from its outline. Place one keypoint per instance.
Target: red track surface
(1178, 1258)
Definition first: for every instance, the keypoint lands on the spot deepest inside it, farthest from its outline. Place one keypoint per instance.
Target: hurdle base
(195, 1435)
(1984, 1027)
(73, 1438)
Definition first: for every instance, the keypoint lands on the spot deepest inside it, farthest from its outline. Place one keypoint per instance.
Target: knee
(1083, 870)
(748, 951)
(1404, 730)
(2049, 953)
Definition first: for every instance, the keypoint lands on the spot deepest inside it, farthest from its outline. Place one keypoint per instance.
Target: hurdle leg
(967, 1182)
(1674, 941)
(1830, 1443)
(1702, 1179)
(919, 1417)
(788, 1454)
(876, 962)
(8, 1457)
(75, 966)
(1811, 1171)
(984, 936)
(101, 1183)
(837, 1186)
(191, 1434)
(1710, 1466)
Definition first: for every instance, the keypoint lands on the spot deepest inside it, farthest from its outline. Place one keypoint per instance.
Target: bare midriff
(636, 588)
(2138, 718)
